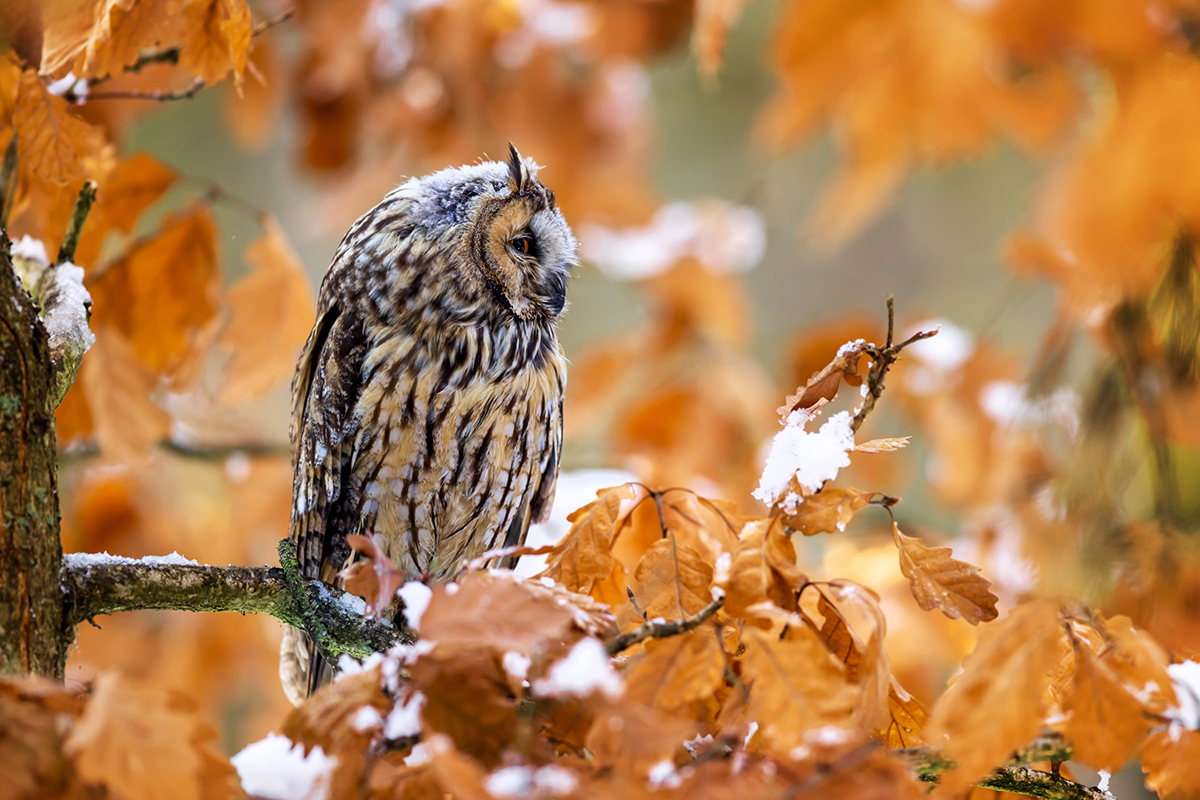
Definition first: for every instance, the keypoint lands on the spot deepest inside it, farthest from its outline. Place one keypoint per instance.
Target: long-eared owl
(427, 403)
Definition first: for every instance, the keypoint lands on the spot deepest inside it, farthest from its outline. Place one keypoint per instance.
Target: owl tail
(302, 669)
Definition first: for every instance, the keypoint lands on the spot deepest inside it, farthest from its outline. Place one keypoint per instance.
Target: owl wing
(324, 394)
(537, 508)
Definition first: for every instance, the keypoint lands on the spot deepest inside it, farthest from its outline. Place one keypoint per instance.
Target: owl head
(509, 238)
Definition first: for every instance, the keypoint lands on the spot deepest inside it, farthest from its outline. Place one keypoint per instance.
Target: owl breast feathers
(427, 403)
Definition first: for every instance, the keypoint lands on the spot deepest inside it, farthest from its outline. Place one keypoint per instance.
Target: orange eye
(521, 245)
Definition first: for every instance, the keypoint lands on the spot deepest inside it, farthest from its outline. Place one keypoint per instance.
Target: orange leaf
(216, 39)
(906, 718)
(118, 390)
(1107, 723)
(52, 143)
(714, 20)
(1169, 759)
(828, 510)
(584, 556)
(671, 673)
(163, 291)
(1000, 700)
(939, 581)
(675, 580)
(136, 184)
(824, 385)
(273, 311)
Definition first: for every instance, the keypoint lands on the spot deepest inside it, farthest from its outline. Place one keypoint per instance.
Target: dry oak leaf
(1106, 722)
(119, 389)
(762, 569)
(1000, 700)
(795, 685)
(216, 39)
(828, 510)
(143, 742)
(133, 186)
(675, 578)
(163, 291)
(824, 385)
(629, 738)
(906, 719)
(30, 738)
(468, 698)
(1139, 662)
(584, 556)
(52, 143)
(671, 673)
(272, 310)
(939, 581)
(374, 577)
(1169, 759)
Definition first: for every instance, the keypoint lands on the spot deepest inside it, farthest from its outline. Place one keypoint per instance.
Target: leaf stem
(70, 240)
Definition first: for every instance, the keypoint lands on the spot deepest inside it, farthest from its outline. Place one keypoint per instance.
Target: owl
(427, 402)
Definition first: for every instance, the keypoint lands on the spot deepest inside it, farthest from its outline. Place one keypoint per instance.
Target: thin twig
(8, 180)
(661, 630)
(160, 95)
(882, 359)
(83, 204)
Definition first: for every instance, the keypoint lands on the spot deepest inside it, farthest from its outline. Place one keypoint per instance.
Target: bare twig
(882, 359)
(8, 180)
(83, 204)
(161, 96)
(661, 630)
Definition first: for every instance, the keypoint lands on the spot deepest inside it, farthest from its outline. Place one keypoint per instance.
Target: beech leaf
(939, 581)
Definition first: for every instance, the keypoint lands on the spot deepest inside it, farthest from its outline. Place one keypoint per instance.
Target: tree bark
(31, 604)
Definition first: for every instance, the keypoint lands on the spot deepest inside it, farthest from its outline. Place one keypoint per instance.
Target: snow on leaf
(586, 669)
(1000, 700)
(939, 581)
(824, 384)
(275, 769)
(272, 311)
(810, 459)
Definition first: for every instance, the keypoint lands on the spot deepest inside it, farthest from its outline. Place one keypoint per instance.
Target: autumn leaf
(882, 445)
(163, 291)
(675, 580)
(1000, 700)
(272, 311)
(1169, 759)
(714, 20)
(119, 392)
(584, 556)
(762, 569)
(795, 686)
(629, 738)
(828, 510)
(52, 143)
(467, 697)
(824, 385)
(373, 577)
(1106, 722)
(906, 718)
(671, 673)
(141, 741)
(939, 581)
(31, 720)
(216, 39)
(133, 186)
(252, 113)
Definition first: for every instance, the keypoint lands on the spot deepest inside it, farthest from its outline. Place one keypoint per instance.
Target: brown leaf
(1107, 723)
(828, 510)
(272, 310)
(52, 143)
(30, 738)
(584, 556)
(374, 578)
(939, 581)
(1000, 700)
(671, 673)
(795, 686)
(216, 39)
(163, 291)
(136, 184)
(1140, 663)
(251, 113)
(1169, 759)
(629, 738)
(467, 697)
(139, 740)
(119, 390)
(762, 569)
(906, 718)
(824, 385)
(714, 20)
(882, 445)
(675, 578)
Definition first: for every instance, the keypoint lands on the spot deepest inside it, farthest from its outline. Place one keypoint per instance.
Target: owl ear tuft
(518, 173)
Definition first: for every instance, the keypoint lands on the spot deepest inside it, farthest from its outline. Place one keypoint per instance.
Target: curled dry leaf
(374, 578)
(828, 510)
(906, 718)
(52, 143)
(272, 311)
(216, 39)
(999, 702)
(584, 556)
(1106, 723)
(939, 581)
(823, 386)
(31, 739)
(1169, 759)
(762, 569)
(882, 445)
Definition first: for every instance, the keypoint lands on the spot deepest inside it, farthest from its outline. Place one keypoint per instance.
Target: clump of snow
(1008, 403)
(404, 720)
(586, 669)
(67, 311)
(723, 565)
(752, 729)
(516, 665)
(1185, 678)
(31, 249)
(554, 780)
(1104, 779)
(663, 775)
(275, 769)
(574, 490)
(366, 719)
(416, 596)
(697, 743)
(510, 782)
(848, 347)
(723, 237)
(86, 560)
(420, 755)
(811, 458)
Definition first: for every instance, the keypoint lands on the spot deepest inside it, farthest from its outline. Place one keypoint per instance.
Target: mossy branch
(94, 589)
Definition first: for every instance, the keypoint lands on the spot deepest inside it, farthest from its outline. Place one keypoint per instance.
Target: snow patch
(663, 775)
(1104, 778)
(510, 782)
(1185, 678)
(31, 249)
(275, 769)
(586, 669)
(516, 665)
(416, 598)
(554, 780)
(405, 720)
(366, 719)
(812, 458)
(87, 560)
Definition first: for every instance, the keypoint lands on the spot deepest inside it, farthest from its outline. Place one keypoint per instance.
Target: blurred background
(749, 182)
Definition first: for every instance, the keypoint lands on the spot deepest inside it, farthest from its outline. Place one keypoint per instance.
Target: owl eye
(522, 244)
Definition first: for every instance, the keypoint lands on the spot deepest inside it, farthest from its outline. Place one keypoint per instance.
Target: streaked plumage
(427, 404)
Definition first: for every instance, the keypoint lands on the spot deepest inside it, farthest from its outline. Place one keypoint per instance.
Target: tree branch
(882, 359)
(92, 588)
(70, 240)
(661, 630)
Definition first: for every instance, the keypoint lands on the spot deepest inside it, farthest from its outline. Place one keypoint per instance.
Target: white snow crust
(275, 769)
